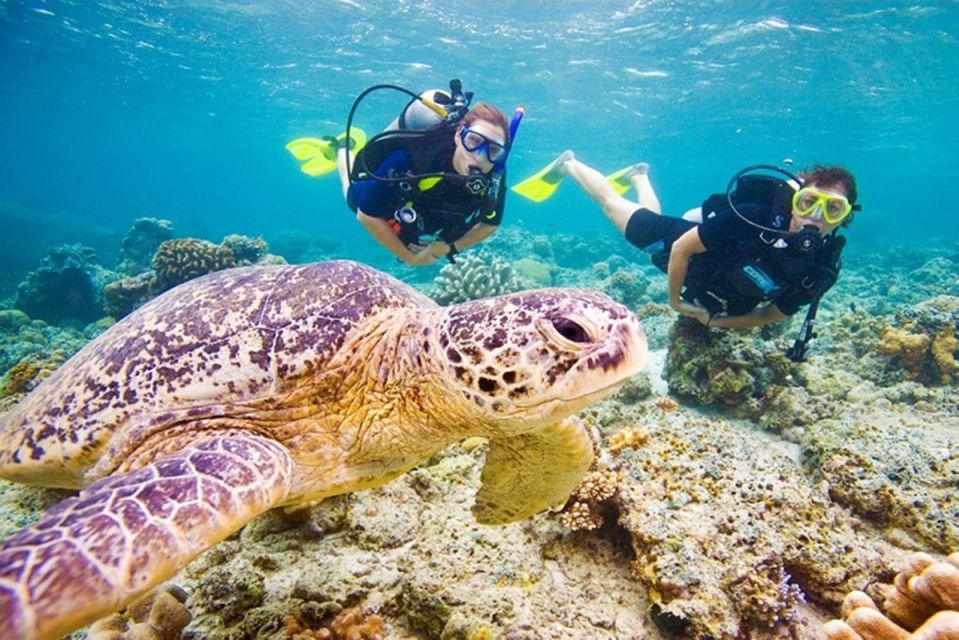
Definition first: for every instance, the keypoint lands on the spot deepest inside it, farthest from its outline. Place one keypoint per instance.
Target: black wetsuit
(743, 266)
(421, 208)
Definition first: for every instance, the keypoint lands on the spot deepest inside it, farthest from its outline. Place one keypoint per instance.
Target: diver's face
(464, 159)
(797, 222)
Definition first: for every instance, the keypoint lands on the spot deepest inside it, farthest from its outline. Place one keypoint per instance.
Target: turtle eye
(571, 330)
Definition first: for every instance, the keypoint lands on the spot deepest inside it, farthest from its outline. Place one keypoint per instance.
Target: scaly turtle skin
(258, 387)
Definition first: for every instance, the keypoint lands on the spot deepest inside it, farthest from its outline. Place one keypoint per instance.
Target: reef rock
(141, 243)
(732, 368)
(67, 288)
(923, 344)
(126, 294)
(245, 249)
(902, 472)
(729, 537)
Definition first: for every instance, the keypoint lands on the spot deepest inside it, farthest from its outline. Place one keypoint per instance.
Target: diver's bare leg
(617, 208)
(639, 176)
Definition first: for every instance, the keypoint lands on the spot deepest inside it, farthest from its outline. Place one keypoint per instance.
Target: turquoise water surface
(114, 110)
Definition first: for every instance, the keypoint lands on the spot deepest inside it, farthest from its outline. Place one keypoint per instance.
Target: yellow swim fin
(620, 179)
(543, 183)
(318, 155)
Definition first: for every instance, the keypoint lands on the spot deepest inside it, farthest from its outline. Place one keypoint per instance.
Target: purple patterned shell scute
(229, 337)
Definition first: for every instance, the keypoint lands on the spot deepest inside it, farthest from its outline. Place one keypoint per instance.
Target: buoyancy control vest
(761, 264)
(429, 197)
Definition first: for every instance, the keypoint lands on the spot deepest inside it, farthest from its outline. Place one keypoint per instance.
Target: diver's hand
(700, 314)
(438, 249)
(425, 257)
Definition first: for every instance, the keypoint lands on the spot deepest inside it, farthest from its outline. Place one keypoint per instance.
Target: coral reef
(246, 250)
(728, 367)
(923, 600)
(411, 552)
(177, 261)
(349, 624)
(66, 288)
(141, 243)
(729, 537)
(28, 372)
(159, 615)
(538, 274)
(589, 503)
(924, 344)
(626, 285)
(126, 294)
(898, 473)
(475, 275)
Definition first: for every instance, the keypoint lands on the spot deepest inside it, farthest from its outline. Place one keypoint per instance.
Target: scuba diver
(748, 257)
(429, 185)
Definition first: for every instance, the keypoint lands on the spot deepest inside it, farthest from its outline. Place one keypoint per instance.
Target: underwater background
(737, 494)
(180, 110)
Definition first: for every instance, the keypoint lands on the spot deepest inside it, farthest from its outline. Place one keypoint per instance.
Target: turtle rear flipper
(92, 554)
(525, 474)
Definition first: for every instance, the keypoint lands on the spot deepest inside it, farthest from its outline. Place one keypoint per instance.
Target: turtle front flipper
(525, 474)
(92, 554)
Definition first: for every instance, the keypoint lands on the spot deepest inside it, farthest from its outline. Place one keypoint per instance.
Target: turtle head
(538, 356)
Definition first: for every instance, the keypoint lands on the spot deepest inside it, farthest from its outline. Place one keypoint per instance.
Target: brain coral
(177, 261)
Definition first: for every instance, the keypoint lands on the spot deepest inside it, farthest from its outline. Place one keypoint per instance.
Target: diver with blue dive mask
(430, 184)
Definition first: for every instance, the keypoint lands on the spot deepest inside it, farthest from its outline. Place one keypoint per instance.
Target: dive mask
(810, 202)
(475, 141)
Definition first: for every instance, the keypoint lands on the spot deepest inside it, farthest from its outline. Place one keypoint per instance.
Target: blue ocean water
(113, 110)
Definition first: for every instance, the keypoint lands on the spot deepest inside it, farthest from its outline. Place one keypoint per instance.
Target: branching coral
(922, 604)
(908, 350)
(177, 261)
(589, 500)
(474, 276)
(764, 595)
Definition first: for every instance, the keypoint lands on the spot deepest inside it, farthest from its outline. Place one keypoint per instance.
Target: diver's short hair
(824, 175)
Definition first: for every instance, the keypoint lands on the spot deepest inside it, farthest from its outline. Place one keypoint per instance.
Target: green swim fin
(318, 155)
(620, 179)
(543, 183)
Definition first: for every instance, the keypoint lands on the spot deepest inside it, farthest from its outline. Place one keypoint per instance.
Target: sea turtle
(271, 386)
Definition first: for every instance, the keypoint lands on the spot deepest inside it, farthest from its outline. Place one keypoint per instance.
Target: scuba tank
(421, 112)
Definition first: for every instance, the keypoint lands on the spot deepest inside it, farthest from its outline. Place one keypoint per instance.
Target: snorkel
(499, 168)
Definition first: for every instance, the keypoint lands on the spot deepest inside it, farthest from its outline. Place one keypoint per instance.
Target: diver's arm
(758, 317)
(381, 231)
(476, 234)
(682, 250)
